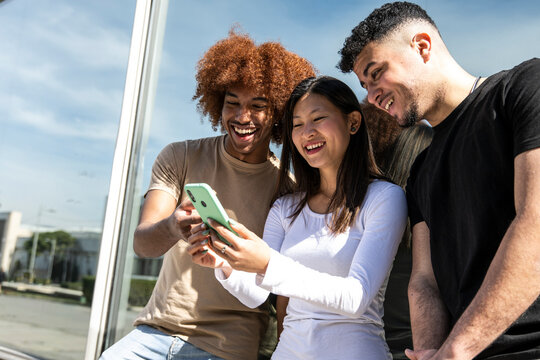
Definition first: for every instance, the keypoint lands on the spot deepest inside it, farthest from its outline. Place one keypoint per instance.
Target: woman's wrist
(268, 255)
(227, 270)
(262, 272)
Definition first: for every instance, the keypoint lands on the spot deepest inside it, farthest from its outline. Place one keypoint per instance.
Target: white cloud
(66, 32)
(66, 70)
(49, 79)
(85, 44)
(42, 120)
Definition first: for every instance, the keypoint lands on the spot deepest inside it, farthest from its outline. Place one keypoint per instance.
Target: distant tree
(64, 241)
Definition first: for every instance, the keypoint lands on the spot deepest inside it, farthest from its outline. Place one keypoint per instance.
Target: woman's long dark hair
(356, 170)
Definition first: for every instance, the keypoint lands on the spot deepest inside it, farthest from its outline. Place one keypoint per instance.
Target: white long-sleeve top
(335, 283)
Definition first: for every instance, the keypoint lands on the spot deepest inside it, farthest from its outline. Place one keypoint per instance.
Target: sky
(63, 66)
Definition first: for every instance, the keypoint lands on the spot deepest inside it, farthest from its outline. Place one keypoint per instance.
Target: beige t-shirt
(187, 300)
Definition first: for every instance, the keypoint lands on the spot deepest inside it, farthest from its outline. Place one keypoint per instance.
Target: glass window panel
(63, 72)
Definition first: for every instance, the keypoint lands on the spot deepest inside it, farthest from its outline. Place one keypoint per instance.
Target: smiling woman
(329, 241)
(321, 130)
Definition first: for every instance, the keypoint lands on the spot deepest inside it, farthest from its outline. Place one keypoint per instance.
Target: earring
(353, 128)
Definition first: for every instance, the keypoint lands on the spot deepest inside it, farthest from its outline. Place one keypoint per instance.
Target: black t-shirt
(462, 186)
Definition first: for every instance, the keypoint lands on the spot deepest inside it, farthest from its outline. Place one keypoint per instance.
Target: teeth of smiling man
(313, 146)
(244, 131)
(390, 102)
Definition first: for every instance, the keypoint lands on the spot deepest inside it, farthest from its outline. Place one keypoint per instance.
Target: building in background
(9, 233)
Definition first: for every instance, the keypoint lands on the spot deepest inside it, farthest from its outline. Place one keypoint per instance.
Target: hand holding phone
(252, 255)
(208, 206)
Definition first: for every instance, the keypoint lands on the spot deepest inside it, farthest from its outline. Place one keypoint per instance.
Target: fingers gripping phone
(207, 204)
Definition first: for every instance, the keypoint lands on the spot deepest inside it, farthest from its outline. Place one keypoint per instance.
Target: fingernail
(203, 226)
(206, 232)
(204, 242)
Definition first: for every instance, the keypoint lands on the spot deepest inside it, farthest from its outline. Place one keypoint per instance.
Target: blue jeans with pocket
(146, 342)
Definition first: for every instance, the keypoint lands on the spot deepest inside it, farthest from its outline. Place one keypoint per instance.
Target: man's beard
(411, 117)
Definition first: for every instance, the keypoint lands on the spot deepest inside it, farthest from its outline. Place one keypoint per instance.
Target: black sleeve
(523, 105)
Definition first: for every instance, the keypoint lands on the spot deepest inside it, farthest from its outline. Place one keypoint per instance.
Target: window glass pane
(63, 72)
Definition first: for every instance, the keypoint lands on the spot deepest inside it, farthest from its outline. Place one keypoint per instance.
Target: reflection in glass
(60, 99)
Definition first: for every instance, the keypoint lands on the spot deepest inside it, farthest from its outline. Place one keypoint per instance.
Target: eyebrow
(258, 98)
(367, 68)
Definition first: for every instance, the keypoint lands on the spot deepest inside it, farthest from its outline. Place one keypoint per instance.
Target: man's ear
(421, 42)
(354, 119)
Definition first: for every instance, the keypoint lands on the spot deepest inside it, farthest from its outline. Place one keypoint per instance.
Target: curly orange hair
(268, 69)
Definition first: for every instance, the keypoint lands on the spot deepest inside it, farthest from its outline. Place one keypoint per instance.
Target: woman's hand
(247, 251)
(200, 251)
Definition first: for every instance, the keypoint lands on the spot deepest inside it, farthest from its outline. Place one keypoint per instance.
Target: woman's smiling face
(321, 132)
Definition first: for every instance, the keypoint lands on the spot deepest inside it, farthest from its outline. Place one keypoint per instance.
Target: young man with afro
(242, 87)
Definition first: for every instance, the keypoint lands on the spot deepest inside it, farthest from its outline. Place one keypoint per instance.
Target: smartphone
(207, 204)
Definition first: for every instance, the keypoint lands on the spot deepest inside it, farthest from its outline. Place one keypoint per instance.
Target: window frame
(123, 202)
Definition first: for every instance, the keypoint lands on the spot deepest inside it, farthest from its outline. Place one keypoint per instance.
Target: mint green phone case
(208, 206)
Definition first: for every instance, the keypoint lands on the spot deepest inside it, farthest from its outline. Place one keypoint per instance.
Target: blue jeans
(146, 342)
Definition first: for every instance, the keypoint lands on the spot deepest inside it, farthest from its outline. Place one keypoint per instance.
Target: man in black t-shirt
(474, 194)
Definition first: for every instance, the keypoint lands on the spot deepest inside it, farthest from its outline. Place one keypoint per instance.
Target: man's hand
(183, 219)
(163, 224)
(420, 354)
(202, 254)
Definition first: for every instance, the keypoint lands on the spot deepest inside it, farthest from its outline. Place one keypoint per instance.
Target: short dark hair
(376, 26)
(356, 171)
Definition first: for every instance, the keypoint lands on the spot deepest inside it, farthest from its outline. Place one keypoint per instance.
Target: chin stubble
(411, 116)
